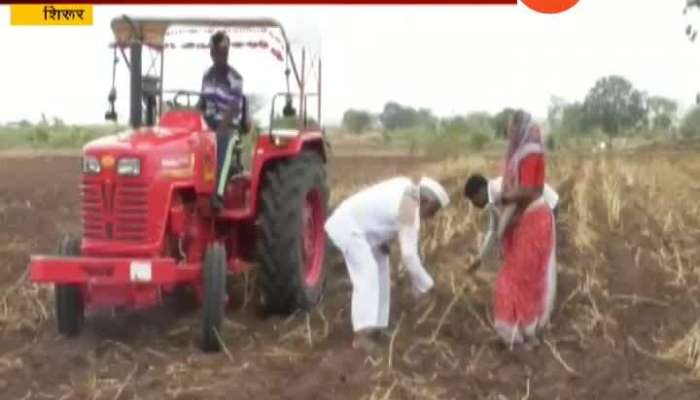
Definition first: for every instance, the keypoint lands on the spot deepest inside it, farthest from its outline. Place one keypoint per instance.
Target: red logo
(550, 6)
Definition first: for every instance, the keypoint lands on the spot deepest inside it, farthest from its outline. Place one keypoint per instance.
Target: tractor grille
(91, 211)
(131, 212)
(115, 212)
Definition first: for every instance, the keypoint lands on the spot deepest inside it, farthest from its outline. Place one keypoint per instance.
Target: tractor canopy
(256, 33)
(158, 36)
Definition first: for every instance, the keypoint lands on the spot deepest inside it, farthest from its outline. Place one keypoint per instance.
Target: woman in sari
(525, 287)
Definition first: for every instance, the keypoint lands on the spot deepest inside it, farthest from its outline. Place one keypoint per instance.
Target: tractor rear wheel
(70, 306)
(292, 244)
(214, 298)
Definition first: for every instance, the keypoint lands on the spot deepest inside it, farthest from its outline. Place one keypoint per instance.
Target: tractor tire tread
(278, 279)
(70, 307)
(214, 274)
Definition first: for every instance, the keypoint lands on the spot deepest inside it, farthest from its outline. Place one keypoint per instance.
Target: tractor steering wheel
(188, 94)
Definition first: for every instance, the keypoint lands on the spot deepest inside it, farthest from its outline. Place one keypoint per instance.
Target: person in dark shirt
(222, 103)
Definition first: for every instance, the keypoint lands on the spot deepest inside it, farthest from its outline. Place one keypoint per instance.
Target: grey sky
(452, 59)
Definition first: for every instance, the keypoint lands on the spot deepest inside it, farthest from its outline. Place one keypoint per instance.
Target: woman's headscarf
(524, 139)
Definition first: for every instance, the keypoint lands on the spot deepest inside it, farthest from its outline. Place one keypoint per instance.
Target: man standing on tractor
(361, 228)
(223, 105)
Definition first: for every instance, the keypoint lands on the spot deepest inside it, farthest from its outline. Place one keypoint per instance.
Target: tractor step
(234, 214)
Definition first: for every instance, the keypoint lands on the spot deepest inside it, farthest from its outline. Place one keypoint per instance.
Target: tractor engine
(131, 183)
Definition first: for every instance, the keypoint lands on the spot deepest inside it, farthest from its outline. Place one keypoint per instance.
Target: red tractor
(148, 230)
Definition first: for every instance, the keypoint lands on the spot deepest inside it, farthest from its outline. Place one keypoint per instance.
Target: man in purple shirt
(222, 103)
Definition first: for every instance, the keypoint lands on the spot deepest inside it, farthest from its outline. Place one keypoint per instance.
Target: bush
(454, 145)
(551, 142)
(39, 135)
(479, 140)
(386, 137)
(43, 136)
(357, 121)
(690, 127)
(444, 146)
(413, 146)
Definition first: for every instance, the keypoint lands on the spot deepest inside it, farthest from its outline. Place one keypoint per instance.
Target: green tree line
(613, 106)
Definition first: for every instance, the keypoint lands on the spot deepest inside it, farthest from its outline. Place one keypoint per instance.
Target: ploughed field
(625, 325)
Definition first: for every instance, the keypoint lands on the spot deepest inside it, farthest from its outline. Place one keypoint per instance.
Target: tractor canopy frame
(137, 32)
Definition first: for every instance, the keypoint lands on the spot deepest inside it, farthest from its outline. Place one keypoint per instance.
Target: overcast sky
(452, 59)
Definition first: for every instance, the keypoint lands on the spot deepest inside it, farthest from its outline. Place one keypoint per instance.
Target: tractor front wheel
(214, 298)
(70, 307)
(291, 247)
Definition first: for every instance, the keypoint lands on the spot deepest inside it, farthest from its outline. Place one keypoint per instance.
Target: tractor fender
(267, 152)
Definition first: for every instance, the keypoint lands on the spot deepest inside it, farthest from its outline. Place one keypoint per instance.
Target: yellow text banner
(51, 14)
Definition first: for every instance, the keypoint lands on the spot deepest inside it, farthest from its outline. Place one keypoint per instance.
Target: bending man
(362, 227)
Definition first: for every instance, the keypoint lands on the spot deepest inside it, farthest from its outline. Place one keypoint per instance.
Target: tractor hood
(177, 130)
(138, 141)
(153, 146)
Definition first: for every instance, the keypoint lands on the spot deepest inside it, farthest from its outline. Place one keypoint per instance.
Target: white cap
(437, 189)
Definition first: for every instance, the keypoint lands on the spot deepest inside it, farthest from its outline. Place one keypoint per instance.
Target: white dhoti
(369, 271)
(371, 284)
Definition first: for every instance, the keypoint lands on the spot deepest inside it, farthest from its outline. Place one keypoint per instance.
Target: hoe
(148, 231)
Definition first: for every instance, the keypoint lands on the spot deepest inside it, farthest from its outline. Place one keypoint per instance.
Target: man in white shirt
(362, 226)
(485, 193)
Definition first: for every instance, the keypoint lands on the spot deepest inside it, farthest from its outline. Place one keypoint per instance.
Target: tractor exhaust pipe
(136, 115)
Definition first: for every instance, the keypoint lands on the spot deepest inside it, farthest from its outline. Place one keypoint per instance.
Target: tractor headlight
(91, 165)
(129, 167)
